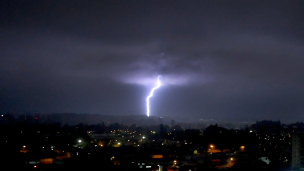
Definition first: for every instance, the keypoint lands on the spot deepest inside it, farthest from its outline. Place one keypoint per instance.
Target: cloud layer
(241, 60)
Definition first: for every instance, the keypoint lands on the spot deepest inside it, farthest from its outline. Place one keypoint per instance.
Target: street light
(174, 163)
(158, 167)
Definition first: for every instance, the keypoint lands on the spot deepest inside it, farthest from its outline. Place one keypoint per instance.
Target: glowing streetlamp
(211, 148)
(174, 163)
(231, 160)
(159, 167)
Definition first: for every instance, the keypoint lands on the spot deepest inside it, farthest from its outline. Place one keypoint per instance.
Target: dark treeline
(139, 120)
(103, 124)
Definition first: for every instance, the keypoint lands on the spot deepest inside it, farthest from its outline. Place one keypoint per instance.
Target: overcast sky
(233, 60)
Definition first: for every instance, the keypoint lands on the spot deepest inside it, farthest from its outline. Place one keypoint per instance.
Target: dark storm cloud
(217, 58)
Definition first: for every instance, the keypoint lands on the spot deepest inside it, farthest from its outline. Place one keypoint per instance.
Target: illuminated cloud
(224, 60)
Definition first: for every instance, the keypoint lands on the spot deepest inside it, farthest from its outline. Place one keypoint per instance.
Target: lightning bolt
(151, 94)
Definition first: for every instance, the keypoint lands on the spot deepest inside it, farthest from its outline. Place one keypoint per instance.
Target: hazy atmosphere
(217, 60)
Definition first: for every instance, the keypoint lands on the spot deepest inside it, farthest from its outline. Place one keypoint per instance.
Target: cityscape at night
(155, 85)
(44, 142)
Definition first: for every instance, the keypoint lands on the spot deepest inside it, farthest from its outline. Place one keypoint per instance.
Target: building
(160, 120)
(297, 142)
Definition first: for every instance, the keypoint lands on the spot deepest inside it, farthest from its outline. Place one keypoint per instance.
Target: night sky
(231, 60)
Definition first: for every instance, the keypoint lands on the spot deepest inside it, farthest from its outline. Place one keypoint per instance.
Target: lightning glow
(151, 94)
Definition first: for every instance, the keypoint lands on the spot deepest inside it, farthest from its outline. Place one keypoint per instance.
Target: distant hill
(138, 120)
